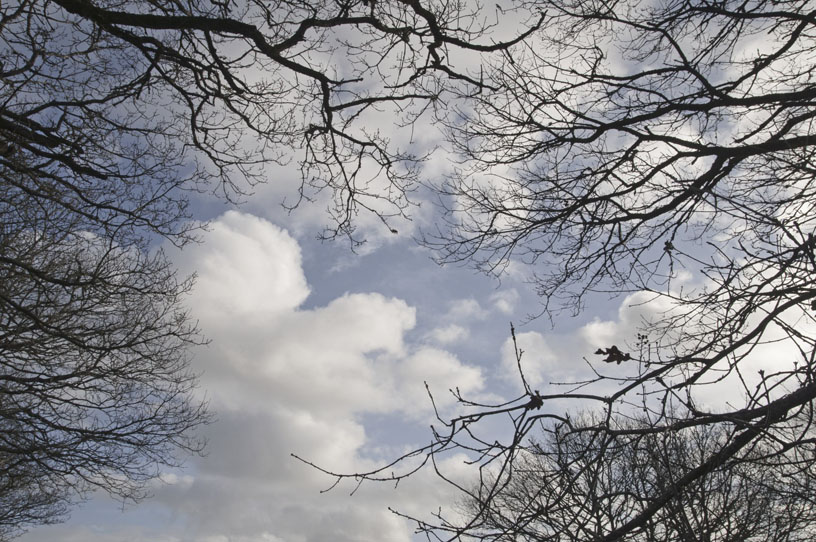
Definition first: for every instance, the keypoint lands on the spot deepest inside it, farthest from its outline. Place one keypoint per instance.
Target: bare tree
(111, 113)
(575, 486)
(27, 493)
(191, 94)
(610, 149)
(662, 150)
(95, 385)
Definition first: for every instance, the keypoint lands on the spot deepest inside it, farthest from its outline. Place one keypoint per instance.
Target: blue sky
(320, 351)
(323, 352)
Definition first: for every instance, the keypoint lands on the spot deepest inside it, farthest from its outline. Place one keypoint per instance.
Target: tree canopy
(656, 149)
(660, 150)
(111, 114)
(186, 94)
(564, 488)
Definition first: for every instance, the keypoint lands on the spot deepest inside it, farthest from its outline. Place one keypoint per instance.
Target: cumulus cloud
(505, 301)
(450, 334)
(440, 370)
(465, 309)
(561, 357)
(284, 379)
(247, 268)
(540, 363)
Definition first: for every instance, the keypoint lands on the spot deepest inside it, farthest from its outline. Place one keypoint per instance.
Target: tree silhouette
(197, 95)
(111, 114)
(664, 151)
(574, 486)
(95, 385)
(655, 149)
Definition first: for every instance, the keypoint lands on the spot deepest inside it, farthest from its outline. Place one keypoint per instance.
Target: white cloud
(441, 371)
(294, 380)
(505, 300)
(247, 268)
(449, 334)
(283, 379)
(635, 312)
(540, 363)
(464, 310)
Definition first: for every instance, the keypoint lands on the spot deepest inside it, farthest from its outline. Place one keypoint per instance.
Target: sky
(323, 352)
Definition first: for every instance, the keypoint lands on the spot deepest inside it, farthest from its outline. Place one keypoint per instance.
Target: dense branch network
(235, 88)
(662, 151)
(111, 114)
